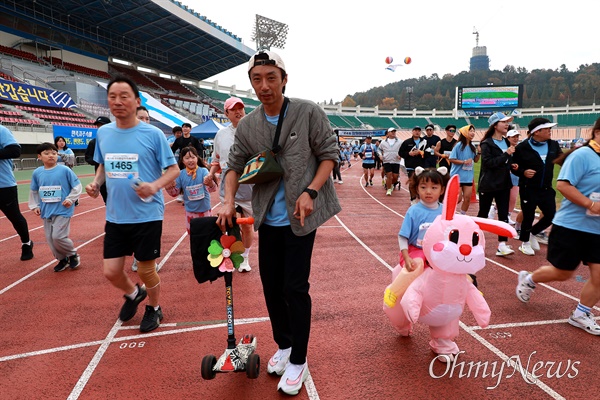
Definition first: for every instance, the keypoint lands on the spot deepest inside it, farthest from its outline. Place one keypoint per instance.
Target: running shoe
(62, 265)
(534, 243)
(245, 266)
(524, 290)
(504, 250)
(585, 322)
(279, 361)
(542, 238)
(130, 306)
(526, 249)
(389, 192)
(74, 261)
(27, 251)
(292, 380)
(492, 212)
(151, 319)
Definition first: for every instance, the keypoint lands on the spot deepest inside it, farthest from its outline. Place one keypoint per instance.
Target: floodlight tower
(269, 33)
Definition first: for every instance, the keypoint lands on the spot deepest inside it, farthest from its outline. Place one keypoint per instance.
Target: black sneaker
(74, 261)
(151, 319)
(26, 251)
(130, 307)
(62, 265)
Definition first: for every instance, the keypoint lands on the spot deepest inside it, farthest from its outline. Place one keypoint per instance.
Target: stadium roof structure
(161, 34)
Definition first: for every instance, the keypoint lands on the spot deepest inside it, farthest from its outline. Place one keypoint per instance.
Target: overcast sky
(335, 48)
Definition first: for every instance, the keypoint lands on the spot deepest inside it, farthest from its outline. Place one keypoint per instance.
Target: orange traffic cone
(474, 193)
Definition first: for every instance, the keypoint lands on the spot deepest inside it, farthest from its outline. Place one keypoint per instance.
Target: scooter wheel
(208, 363)
(253, 366)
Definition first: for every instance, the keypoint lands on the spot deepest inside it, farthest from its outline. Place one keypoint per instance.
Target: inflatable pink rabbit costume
(454, 246)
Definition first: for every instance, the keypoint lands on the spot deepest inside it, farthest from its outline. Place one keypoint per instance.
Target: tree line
(542, 87)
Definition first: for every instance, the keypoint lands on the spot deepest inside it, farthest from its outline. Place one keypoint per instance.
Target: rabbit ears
(451, 198)
(488, 225)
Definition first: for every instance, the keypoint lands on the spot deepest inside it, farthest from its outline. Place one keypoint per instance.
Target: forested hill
(543, 87)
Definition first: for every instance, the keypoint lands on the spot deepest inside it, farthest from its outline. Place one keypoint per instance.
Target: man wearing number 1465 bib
(129, 151)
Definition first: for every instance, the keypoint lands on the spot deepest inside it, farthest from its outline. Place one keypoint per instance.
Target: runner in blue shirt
(367, 153)
(54, 191)
(129, 147)
(9, 200)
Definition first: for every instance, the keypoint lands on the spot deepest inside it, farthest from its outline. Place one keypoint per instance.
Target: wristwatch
(312, 193)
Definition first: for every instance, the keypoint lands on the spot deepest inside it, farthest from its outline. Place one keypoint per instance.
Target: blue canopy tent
(206, 130)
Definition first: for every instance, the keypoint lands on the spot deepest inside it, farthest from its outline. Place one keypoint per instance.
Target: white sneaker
(585, 322)
(526, 249)
(244, 266)
(180, 198)
(542, 238)
(335, 180)
(511, 222)
(293, 378)
(277, 364)
(492, 212)
(389, 192)
(340, 181)
(524, 290)
(504, 250)
(534, 243)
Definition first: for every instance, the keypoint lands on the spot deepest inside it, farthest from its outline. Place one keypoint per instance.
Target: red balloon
(407, 60)
(389, 60)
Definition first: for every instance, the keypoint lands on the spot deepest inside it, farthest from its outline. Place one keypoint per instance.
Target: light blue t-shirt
(464, 172)
(418, 218)
(369, 150)
(541, 148)
(7, 178)
(53, 186)
(141, 151)
(500, 143)
(66, 156)
(277, 215)
(196, 196)
(582, 170)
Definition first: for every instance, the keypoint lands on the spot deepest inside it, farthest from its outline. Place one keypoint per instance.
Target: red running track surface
(61, 338)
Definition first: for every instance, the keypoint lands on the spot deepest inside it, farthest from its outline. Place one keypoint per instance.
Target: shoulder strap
(276, 147)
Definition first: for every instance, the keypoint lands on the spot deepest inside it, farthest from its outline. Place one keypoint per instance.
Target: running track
(61, 339)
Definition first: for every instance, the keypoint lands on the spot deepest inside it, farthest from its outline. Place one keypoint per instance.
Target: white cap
(512, 132)
(266, 57)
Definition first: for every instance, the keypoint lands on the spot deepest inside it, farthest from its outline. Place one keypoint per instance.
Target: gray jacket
(306, 139)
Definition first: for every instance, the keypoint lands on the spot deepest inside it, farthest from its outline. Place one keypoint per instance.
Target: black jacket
(527, 158)
(495, 167)
(410, 162)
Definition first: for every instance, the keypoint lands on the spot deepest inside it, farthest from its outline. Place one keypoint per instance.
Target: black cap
(416, 128)
(102, 121)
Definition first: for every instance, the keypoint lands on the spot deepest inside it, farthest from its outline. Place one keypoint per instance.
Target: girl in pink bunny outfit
(453, 246)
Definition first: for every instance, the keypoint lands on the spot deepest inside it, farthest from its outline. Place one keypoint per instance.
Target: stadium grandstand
(56, 58)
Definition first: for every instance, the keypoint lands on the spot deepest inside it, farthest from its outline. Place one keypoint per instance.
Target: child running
(196, 190)
(429, 185)
(54, 190)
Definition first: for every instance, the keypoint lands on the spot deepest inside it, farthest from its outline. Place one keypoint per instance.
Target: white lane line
(509, 360)
(87, 374)
(23, 279)
(244, 321)
(42, 226)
